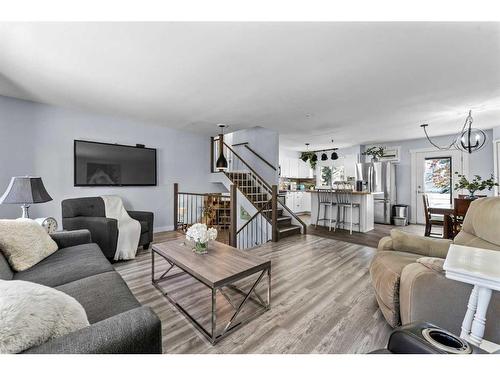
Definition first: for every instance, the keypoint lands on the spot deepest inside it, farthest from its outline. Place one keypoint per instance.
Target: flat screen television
(107, 164)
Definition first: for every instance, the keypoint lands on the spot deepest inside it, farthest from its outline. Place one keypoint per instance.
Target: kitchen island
(364, 214)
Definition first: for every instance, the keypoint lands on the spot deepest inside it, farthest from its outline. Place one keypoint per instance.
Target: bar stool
(344, 202)
(325, 199)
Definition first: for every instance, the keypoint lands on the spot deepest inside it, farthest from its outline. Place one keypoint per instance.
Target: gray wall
(37, 139)
(263, 141)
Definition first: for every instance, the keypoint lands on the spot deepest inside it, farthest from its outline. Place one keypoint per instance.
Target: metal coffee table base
(233, 324)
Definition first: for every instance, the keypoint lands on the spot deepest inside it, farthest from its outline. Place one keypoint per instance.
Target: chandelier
(469, 139)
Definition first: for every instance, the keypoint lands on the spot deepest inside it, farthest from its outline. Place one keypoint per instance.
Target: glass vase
(200, 247)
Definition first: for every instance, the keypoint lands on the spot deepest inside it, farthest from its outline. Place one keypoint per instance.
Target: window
(437, 180)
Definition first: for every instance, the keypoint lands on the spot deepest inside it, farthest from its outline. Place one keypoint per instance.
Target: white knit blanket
(129, 230)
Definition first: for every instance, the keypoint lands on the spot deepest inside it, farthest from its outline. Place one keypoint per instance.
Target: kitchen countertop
(353, 192)
(315, 191)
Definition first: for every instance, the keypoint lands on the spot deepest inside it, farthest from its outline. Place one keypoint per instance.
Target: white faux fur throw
(129, 230)
(31, 314)
(24, 243)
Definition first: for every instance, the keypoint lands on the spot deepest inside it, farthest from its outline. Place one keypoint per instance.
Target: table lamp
(25, 191)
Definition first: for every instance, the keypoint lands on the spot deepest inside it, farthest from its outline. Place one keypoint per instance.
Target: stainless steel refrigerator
(380, 178)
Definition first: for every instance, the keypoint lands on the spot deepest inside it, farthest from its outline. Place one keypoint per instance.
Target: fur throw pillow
(31, 314)
(24, 243)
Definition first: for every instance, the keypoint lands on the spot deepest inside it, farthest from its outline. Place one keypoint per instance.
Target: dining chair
(431, 219)
(460, 207)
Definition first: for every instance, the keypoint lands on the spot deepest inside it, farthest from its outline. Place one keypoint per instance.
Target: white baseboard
(167, 228)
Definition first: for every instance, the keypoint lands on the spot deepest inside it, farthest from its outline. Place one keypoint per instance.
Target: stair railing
(237, 164)
(259, 156)
(213, 209)
(257, 230)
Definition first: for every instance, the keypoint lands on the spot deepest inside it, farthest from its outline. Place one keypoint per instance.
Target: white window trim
(413, 195)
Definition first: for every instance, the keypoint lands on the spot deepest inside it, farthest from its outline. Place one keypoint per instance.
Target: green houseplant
(309, 156)
(476, 184)
(375, 152)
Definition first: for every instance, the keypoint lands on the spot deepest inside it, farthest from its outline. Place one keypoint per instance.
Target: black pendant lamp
(324, 156)
(334, 156)
(221, 163)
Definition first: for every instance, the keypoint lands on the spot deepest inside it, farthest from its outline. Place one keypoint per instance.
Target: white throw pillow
(31, 314)
(24, 243)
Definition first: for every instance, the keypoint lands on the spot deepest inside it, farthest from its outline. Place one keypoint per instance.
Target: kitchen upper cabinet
(285, 167)
(295, 168)
(305, 170)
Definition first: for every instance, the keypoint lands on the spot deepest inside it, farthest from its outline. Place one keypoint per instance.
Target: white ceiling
(353, 82)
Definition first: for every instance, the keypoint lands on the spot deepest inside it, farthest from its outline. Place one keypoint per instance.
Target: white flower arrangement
(199, 233)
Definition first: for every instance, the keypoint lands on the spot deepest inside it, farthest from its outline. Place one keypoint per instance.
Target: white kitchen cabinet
(285, 167)
(306, 202)
(290, 200)
(294, 168)
(305, 170)
(298, 201)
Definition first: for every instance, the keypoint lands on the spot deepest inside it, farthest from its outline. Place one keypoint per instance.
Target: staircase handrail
(254, 216)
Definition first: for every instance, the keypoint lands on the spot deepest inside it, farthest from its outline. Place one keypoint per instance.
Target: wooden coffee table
(218, 270)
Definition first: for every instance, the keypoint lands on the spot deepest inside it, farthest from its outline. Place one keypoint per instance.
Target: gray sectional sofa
(118, 323)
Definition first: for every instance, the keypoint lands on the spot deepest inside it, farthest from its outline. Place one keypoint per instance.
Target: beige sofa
(409, 281)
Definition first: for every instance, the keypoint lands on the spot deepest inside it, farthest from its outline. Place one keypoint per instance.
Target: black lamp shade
(221, 162)
(324, 156)
(335, 156)
(314, 157)
(25, 190)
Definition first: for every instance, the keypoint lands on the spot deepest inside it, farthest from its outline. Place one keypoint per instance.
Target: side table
(481, 268)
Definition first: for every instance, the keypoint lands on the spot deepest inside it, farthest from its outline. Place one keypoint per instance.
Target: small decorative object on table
(200, 235)
(48, 223)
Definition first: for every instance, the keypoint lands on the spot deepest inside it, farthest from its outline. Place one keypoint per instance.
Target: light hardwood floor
(322, 302)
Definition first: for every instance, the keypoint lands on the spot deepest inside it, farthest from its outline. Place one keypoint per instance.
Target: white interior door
(433, 173)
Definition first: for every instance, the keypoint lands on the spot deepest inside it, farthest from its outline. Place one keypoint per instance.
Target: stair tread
(289, 228)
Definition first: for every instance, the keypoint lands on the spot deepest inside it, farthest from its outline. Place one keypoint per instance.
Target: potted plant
(476, 184)
(375, 152)
(311, 157)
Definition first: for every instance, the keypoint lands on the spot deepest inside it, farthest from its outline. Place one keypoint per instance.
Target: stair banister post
(176, 204)
(232, 216)
(274, 214)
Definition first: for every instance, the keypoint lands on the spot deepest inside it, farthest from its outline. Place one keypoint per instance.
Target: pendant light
(324, 156)
(468, 140)
(221, 163)
(334, 156)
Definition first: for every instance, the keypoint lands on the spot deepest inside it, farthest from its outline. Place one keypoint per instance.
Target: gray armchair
(89, 213)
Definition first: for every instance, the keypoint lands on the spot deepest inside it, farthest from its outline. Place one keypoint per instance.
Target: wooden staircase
(260, 196)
